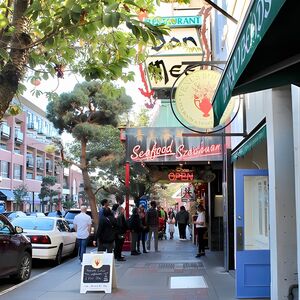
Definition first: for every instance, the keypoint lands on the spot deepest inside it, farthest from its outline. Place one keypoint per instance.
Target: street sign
(98, 273)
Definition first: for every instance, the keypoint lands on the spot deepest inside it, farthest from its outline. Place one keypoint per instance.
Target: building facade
(24, 159)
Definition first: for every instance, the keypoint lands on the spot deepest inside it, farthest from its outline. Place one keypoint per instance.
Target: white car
(51, 237)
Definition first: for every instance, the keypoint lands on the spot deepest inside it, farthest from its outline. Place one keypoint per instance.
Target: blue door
(252, 234)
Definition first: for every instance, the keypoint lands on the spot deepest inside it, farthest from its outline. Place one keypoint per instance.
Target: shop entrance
(252, 234)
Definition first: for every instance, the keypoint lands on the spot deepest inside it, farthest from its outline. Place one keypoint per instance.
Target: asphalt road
(38, 267)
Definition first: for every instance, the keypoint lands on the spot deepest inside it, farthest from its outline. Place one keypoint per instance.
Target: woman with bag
(171, 222)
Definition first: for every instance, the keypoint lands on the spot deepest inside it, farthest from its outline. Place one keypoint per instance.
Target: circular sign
(194, 95)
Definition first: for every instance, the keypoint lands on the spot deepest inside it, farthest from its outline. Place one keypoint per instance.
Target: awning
(266, 53)
(7, 195)
(250, 143)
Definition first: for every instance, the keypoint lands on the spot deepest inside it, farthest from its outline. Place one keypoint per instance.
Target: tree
(19, 194)
(86, 37)
(91, 113)
(47, 191)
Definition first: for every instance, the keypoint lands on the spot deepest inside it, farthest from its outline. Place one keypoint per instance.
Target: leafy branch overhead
(96, 39)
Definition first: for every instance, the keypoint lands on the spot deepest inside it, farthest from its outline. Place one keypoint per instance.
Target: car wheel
(24, 268)
(58, 256)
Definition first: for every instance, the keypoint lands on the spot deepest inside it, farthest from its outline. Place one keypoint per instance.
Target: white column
(296, 130)
(282, 192)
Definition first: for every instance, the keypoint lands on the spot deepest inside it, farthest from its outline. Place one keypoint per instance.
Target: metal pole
(127, 174)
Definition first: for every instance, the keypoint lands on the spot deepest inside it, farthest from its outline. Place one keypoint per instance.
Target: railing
(5, 131)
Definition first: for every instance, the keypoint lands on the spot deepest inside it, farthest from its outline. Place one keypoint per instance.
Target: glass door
(252, 234)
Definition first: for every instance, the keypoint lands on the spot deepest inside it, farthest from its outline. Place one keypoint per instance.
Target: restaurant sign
(159, 144)
(175, 21)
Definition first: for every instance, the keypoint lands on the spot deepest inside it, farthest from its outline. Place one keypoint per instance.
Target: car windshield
(71, 215)
(34, 223)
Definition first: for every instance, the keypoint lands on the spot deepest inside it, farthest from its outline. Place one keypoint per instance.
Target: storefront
(265, 65)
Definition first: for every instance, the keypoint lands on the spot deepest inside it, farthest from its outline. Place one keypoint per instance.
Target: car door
(8, 248)
(66, 237)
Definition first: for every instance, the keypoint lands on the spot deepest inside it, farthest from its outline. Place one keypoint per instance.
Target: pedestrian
(144, 231)
(201, 229)
(135, 227)
(171, 222)
(104, 204)
(114, 209)
(106, 232)
(182, 219)
(152, 223)
(120, 235)
(82, 224)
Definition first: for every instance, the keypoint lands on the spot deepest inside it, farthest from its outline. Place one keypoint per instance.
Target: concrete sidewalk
(173, 273)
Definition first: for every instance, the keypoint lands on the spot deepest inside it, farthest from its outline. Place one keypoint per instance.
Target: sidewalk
(151, 276)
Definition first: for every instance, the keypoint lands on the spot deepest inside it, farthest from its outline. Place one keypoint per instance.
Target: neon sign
(181, 175)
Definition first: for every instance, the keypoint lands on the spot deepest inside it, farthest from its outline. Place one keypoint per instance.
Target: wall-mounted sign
(175, 21)
(98, 273)
(193, 97)
(171, 67)
(168, 144)
(180, 174)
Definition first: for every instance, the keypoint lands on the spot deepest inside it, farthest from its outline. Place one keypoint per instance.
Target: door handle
(239, 238)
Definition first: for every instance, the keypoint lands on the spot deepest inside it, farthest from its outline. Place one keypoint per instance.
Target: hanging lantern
(35, 81)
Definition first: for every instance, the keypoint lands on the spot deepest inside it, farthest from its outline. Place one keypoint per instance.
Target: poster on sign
(98, 273)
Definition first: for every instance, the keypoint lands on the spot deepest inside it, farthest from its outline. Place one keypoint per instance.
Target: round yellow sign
(194, 95)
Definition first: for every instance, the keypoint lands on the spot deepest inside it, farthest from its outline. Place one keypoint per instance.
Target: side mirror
(19, 229)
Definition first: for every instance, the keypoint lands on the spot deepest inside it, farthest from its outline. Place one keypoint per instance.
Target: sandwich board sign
(98, 273)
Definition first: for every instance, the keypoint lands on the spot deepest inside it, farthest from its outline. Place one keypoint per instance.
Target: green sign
(259, 18)
(188, 21)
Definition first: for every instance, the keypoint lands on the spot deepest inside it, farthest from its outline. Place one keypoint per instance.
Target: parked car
(51, 238)
(15, 251)
(36, 214)
(57, 214)
(70, 215)
(13, 214)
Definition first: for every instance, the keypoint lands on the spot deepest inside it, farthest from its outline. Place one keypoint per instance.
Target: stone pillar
(281, 192)
(296, 127)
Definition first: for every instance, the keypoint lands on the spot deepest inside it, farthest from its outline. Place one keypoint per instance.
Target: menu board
(98, 273)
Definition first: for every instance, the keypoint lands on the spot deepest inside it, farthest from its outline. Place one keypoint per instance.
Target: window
(40, 163)
(29, 175)
(5, 169)
(3, 146)
(29, 160)
(17, 172)
(39, 177)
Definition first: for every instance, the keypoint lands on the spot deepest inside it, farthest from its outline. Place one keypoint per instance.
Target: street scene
(149, 149)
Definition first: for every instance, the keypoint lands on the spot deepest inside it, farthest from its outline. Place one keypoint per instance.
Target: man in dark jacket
(121, 232)
(182, 219)
(152, 223)
(106, 232)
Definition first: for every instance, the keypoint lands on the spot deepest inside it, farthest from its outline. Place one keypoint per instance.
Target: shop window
(29, 175)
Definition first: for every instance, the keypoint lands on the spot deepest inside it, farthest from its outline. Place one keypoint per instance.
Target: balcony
(40, 165)
(19, 137)
(41, 130)
(32, 126)
(5, 131)
(29, 163)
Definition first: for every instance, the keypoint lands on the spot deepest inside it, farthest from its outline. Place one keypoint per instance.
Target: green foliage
(19, 193)
(143, 118)
(47, 192)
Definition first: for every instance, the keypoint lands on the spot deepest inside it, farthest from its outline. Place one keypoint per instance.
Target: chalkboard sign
(98, 273)
(92, 275)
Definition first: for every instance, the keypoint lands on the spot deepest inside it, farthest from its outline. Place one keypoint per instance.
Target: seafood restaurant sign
(168, 144)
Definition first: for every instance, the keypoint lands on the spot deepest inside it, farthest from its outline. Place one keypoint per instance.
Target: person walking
(171, 222)
(82, 225)
(201, 228)
(152, 223)
(182, 219)
(120, 235)
(135, 227)
(106, 231)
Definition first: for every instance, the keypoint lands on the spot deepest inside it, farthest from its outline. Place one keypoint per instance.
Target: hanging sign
(98, 273)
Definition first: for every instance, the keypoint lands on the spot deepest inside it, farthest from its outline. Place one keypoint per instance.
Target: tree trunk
(87, 183)
(92, 198)
(14, 70)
